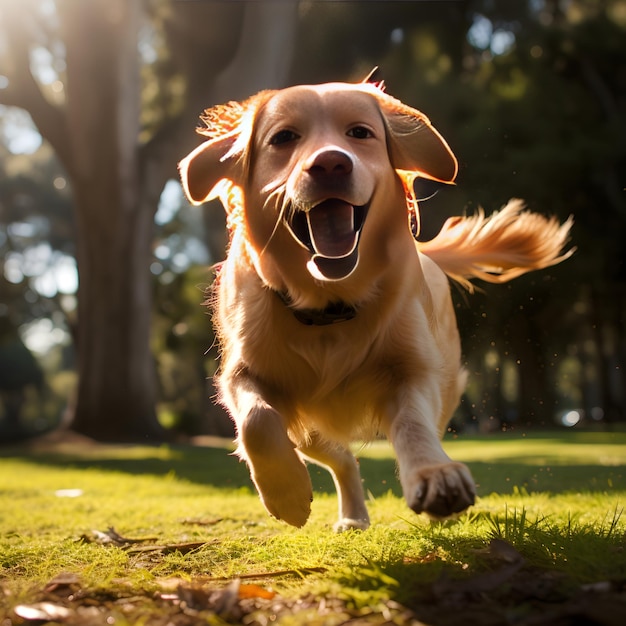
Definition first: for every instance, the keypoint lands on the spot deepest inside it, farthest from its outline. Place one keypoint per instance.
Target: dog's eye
(282, 136)
(360, 132)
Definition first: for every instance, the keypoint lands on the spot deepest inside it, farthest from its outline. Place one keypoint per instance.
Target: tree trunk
(536, 397)
(117, 391)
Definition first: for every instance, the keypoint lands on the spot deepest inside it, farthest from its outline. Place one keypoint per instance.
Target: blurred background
(104, 266)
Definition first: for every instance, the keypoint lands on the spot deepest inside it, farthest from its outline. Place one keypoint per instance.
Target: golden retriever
(335, 324)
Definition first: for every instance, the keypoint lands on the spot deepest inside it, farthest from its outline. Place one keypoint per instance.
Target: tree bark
(117, 381)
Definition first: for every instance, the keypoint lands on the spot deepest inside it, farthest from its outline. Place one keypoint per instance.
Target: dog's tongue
(332, 229)
(323, 268)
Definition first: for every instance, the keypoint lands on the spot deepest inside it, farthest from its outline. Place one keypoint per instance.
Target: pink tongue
(331, 227)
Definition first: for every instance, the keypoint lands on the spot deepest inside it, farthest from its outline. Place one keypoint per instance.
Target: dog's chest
(305, 360)
(313, 366)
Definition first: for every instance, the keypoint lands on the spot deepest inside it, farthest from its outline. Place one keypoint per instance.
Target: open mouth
(330, 231)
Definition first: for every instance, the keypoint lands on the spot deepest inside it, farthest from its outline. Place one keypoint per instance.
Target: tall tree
(118, 166)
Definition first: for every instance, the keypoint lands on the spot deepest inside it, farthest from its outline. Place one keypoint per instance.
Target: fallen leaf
(255, 591)
(499, 550)
(183, 548)
(201, 522)
(111, 536)
(43, 612)
(504, 551)
(119, 539)
(273, 574)
(226, 599)
(64, 579)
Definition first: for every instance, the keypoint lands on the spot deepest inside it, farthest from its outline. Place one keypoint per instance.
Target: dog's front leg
(344, 469)
(277, 470)
(431, 482)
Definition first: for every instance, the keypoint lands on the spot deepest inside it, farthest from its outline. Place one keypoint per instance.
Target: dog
(335, 323)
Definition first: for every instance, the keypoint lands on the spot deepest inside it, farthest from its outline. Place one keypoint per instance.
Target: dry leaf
(504, 551)
(111, 536)
(274, 574)
(225, 600)
(254, 591)
(43, 612)
(183, 548)
(64, 579)
(192, 521)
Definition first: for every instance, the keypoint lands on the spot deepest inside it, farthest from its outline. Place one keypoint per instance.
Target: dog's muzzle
(330, 231)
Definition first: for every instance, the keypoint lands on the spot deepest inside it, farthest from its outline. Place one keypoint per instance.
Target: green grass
(554, 499)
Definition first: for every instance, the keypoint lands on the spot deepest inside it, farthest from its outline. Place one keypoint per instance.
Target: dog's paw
(351, 524)
(285, 490)
(441, 490)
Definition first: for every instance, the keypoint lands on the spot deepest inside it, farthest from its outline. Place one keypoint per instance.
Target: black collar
(334, 313)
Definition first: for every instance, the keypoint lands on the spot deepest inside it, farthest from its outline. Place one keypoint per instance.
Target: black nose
(329, 162)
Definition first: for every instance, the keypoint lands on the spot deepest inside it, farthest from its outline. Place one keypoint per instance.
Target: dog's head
(322, 168)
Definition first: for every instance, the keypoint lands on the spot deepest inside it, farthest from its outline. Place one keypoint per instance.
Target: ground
(175, 535)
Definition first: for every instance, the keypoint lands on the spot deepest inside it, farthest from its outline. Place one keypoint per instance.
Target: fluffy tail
(500, 247)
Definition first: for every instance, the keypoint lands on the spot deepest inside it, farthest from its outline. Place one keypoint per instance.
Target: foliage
(193, 543)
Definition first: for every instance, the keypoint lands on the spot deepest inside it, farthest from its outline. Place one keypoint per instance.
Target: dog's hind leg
(277, 470)
(343, 467)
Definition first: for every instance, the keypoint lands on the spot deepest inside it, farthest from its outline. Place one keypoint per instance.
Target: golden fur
(318, 184)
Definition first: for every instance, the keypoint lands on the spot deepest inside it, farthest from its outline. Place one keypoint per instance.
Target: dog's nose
(329, 161)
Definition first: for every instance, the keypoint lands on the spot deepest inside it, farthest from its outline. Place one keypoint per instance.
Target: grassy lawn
(544, 544)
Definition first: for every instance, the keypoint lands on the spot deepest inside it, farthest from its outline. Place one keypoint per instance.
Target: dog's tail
(500, 247)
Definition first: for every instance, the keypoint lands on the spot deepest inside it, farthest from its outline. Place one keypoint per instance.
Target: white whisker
(273, 187)
(277, 196)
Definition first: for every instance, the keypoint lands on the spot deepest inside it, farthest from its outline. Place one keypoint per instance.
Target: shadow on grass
(217, 467)
(458, 581)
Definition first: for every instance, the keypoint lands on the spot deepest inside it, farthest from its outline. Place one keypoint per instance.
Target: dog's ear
(414, 144)
(205, 166)
(217, 158)
(229, 128)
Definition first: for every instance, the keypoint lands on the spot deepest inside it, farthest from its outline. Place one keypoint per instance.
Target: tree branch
(202, 38)
(24, 92)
